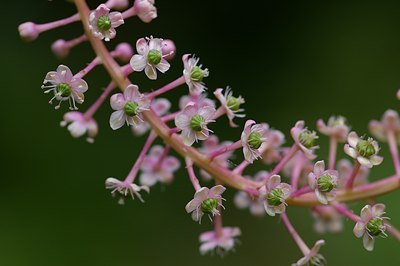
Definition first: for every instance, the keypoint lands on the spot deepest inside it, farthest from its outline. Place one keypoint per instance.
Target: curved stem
(192, 175)
(346, 212)
(350, 181)
(284, 160)
(332, 152)
(296, 237)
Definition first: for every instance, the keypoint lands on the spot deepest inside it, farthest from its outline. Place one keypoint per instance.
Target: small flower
(60, 48)
(160, 106)
(390, 122)
(337, 127)
(324, 182)
(145, 10)
(168, 49)
(128, 107)
(123, 52)
(193, 121)
(200, 100)
(274, 194)
(345, 168)
(157, 169)
(231, 104)
(313, 257)
(327, 219)
(102, 23)
(28, 31)
(305, 139)
(149, 57)
(65, 87)
(371, 225)
(194, 74)
(124, 189)
(205, 201)
(298, 160)
(253, 137)
(79, 125)
(272, 149)
(220, 243)
(363, 150)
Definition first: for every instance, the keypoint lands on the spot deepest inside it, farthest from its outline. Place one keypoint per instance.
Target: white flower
(149, 57)
(193, 122)
(336, 127)
(220, 243)
(200, 100)
(253, 137)
(79, 125)
(313, 257)
(194, 74)
(125, 189)
(327, 219)
(128, 107)
(345, 168)
(205, 201)
(274, 194)
(145, 10)
(231, 104)
(102, 23)
(304, 139)
(390, 122)
(324, 182)
(363, 150)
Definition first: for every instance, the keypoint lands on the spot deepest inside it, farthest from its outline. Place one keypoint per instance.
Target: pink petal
(319, 168)
(353, 139)
(117, 101)
(151, 72)
(378, 210)
(366, 213)
(368, 242)
(142, 46)
(117, 119)
(138, 62)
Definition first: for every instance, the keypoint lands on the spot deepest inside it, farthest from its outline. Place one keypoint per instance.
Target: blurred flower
(298, 160)
(200, 100)
(363, 150)
(345, 168)
(274, 194)
(336, 127)
(220, 243)
(125, 189)
(28, 31)
(145, 10)
(305, 139)
(102, 23)
(79, 125)
(272, 147)
(390, 122)
(194, 74)
(327, 219)
(168, 49)
(253, 137)
(324, 182)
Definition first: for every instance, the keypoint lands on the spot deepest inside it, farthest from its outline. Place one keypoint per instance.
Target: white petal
(368, 242)
(350, 151)
(138, 62)
(319, 168)
(353, 139)
(378, 209)
(151, 72)
(163, 66)
(359, 229)
(117, 119)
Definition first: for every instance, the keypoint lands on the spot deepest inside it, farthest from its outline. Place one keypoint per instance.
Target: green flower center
(64, 89)
(255, 140)
(339, 121)
(318, 260)
(104, 23)
(307, 138)
(375, 226)
(365, 148)
(197, 74)
(154, 57)
(196, 123)
(209, 205)
(233, 103)
(275, 197)
(325, 183)
(130, 108)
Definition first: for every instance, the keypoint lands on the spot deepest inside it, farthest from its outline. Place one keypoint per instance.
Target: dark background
(290, 59)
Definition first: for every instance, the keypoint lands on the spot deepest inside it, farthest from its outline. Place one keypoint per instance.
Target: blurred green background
(290, 59)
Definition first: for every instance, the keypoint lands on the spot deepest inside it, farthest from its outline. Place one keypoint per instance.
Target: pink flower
(79, 125)
(313, 257)
(124, 189)
(253, 137)
(363, 150)
(128, 107)
(200, 100)
(371, 225)
(336, 127)
(118, 4)
(145, 10)
(28, 31)
(168, 49)
(304, 139)
(155, 168)
(327, 219)
(123, 52)
(149, 57)
(220, 243)
(194, 74)
(324, 182)
(205, 201)
(102, 23)
(231, 104)
(272, 148)
(390, 122)
(65, 87)
(274, 194)
(345, 169)
(193, 121)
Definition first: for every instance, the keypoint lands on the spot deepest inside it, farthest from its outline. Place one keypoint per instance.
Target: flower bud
(117, 4)
(275, 197)
(307, 138)
(365, 147)
(124, 51)
(130, 108)
(255, 140)
(60, 48)
(376, 226)
(168, 49)
(145, 10)
(28, 31)
(209, 205)
(326, 183)
(154, 57)
(196, 123)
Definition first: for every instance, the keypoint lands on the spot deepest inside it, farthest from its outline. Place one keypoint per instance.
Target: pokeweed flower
(371, 225)
(324, 182)
(160, 106)
(28, 31)
(305, 139)
(193, 121)
(363, 150)
(149, 57)
(231, 104)
(274, 194)
(390, 122)
(128, 107)
(327, 219)
(145, 10)
(65, 87)
(102, 23)
(272, 151)
(79, 125)
(253, 137)
(205, 201)
(194, 74)
(220, 243)
(345, 168)
(168, 49)
(313, 257)
(124, 51)
(200, 100)
(124, 189)
(337, 127)
(156, 168)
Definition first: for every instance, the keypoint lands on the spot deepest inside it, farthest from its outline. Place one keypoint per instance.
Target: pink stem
(346, 212)
(240, 168)
(130, 12)
(392, 230)
(57, 23)
(170, 86)
(228, 148)
(220, 112)
(350, 181)
(393, 150)
(218, 223)
(73, 42)
(301, 191)
(300, 243)
(284, 160)
(163, 156)
(296, 173)
(332, 152)
(169, 117)
(192, 175)
(135, 169)
(95, 106)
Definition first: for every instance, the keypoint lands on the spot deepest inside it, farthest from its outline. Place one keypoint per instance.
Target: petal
(138, 62)
(64, 74)
(319, 168)
(155, 43)
(286, 189)
(182, 121)
(321, 197)
(188, 137)
(378, 210)
(207, 112)
(269, 209)
(142, 46)
(131, 93)
(364, 161)
(117, 119)
(151, 72)
(117, 101)
(217, 190)
(376, 160)
(242, 200)
(77, 129)
(350, 151)
(207, 247)
(148, 179)
(353, 139)
(161, 106)
(273, 181)
(163, 66)
(79, 85)
(366, 213)
(368, 242)
(116, 19)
